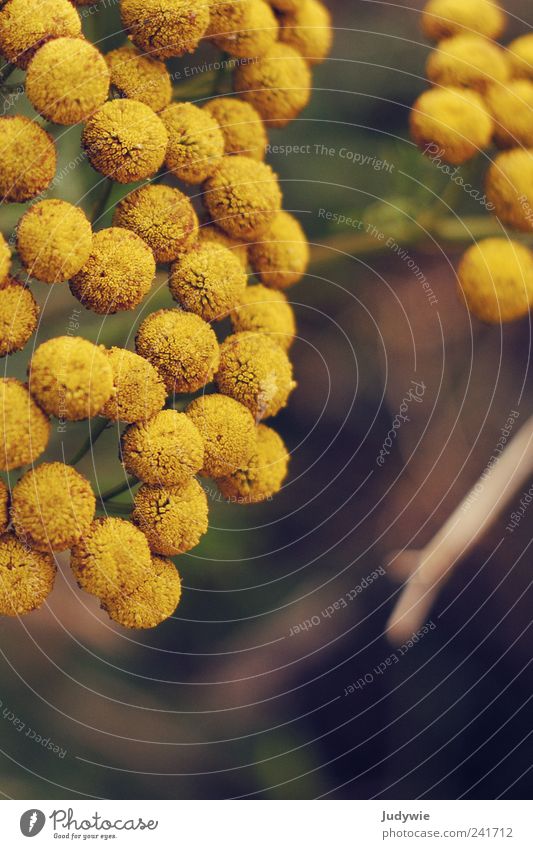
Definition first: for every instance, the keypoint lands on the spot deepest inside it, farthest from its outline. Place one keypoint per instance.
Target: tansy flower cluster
(209, 367)
(482, 95)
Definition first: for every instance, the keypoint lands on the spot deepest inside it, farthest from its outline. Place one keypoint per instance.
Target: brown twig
(430, 567)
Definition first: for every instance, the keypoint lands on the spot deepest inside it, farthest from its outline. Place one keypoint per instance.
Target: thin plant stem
(94, 434)
(125, 486)
(429, 568)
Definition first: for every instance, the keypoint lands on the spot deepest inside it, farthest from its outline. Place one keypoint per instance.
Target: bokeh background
(222, 701)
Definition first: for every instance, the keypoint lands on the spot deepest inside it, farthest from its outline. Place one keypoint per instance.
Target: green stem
(101, 204)
(117, 490)
(84, 449)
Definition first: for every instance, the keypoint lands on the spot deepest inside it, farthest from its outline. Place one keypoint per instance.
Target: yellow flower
(520, 55)
(165, 28)
(24, 428)
(27, 159)
(208, 281)
(67, 80)
(19, 314)
(111, 559)
(5, 259)
(125, 140)
(26, 577)
(4, 507)
(228, 431)
(140, 77)
(243, 196)
(161, 215)
(242, 127)
(308, 29)
(451, 123)
(265, 311)
(263, 476)
(54, 240)
(443, 18)
(511, 106)
(118, 273)
(153, 601)
(27, 24)
(181, 346)
(166, 450)
(278, 85)
(70, 378)
(138, 391)
(245, 29)
(281, 256)
(509, 186)
(496, 280)
(172, 518)
(52, 506)
(256, 371)
(213, 235)
(195, 142)
(467, 60)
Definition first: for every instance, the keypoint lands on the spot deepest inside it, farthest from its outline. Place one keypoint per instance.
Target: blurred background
(246, 691)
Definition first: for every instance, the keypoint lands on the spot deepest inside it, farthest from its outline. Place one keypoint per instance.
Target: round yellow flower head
(509, 187)
(5, 259)
(125, 140)
(308, 29)
(451, 123)
(165, 28)
(25, 25)
(278, 85)
(208, 281)
(27, 159)
(246, 29)
(4, 507)
(26, 577)
(173, 518)
(443, 18)
(111, 559)
(228, 431)
(140, 77)
(118, 273)
(213, 235)
(281, 256)
(467, 60)
(161, 215)
(242, 126)
(195, 142)
(181, 346)
(263, 476)
(138, 391)
(153, 601)
(52, 506)
(67, 80)
(511, 106)
(243, 196)
(70, 378)
(520, 55)
(54, 240)
(496, 280)
(19, 314)
(24, 428)
(264, 310)
(166, 450)
(256, 371)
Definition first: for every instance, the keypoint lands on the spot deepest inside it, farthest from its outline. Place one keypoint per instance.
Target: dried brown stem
(430, 567)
